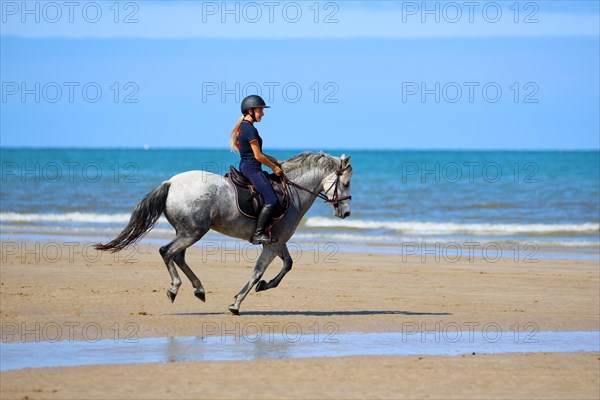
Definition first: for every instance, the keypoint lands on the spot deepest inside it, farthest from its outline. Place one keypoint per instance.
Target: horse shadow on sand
(318, 313)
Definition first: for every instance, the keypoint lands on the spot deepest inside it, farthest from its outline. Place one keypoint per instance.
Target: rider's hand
(277, 170)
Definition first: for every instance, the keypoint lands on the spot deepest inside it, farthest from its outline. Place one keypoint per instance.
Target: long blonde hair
(234, 135)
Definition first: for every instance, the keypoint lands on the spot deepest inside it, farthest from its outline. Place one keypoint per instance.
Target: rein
(323, 194)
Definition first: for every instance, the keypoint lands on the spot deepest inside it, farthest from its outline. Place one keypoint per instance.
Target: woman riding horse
(246, 141)
(194, 202)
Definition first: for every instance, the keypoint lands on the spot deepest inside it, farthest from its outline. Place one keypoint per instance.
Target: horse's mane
(309, 159)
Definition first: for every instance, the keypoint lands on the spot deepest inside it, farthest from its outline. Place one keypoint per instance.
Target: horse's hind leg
(287, 266)
(180, 261)
(265, 258)
(168, 253)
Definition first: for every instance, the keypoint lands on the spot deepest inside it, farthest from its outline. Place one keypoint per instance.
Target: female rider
(246, 140)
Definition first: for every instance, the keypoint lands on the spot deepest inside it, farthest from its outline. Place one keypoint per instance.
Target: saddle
(249, 202)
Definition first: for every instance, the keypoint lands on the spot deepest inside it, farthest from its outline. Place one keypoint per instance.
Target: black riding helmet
(251, 102)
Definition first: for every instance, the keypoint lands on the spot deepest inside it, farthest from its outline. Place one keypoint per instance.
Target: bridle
(335, 199)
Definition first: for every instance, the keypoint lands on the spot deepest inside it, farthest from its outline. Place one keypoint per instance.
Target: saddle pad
(249, 203)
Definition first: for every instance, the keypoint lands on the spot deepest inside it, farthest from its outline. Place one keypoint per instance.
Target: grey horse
(196, 201)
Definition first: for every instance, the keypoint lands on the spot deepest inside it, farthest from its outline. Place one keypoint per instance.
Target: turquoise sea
(402, 200)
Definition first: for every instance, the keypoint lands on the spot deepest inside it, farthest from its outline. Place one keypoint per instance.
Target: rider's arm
(263, 158)
(273, 159)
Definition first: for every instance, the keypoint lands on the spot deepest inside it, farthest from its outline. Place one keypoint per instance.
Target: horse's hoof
(171, 295)
(261, 285)
(200, 295)
(233, 310)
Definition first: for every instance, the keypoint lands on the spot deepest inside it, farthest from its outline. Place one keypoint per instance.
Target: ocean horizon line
(386, 150)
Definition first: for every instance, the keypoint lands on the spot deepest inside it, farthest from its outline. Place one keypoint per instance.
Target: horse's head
(337, 188)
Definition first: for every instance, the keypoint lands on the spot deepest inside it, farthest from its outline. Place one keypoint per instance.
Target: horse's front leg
(265, 258)
(284, 254)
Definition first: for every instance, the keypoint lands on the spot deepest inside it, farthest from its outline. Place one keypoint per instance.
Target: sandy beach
(441, 200)
(68, 292)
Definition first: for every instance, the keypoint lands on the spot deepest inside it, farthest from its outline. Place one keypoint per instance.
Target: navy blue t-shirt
(247, 133)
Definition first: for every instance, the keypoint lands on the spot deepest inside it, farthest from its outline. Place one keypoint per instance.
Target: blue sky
(356, 75)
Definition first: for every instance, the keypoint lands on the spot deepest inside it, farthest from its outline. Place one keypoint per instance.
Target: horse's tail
(144, 217)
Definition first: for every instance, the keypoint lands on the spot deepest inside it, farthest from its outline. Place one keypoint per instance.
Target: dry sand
(69, 285)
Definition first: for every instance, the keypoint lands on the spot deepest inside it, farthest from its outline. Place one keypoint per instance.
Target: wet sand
(53, 293)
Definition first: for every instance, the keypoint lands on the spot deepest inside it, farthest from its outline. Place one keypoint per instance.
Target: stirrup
(262, 238)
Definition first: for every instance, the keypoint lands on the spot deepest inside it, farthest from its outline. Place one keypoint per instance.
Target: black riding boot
(264, 218)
